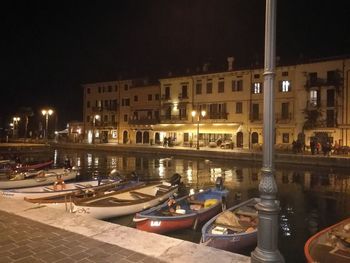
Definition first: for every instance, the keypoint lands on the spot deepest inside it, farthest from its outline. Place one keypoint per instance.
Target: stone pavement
(24, 240)
(37, 233)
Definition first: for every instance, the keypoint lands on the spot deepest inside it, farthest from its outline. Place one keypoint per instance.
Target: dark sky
(50, 48)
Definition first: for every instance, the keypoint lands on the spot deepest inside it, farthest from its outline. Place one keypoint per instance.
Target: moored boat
(330, 245)
(124, 202)
(185, 212)
(234, 229)
(8, 166)
(37, 178)
(50, 190)
(66, 199)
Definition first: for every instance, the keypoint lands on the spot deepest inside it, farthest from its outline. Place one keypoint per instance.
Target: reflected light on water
(96, 161)
(113, 163)
(78, 161)
(89, 159)
(55, 158)
(189, 174)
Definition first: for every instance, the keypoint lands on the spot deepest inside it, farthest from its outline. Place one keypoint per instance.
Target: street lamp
(15, 126)
(194, 114)
(268, 207)
(96, 117)
(47, 113)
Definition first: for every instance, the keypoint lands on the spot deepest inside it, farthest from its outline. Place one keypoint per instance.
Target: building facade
(225, 108)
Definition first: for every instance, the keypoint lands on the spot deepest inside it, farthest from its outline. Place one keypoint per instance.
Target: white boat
(37, 178)
(50, 190)
(125, 202)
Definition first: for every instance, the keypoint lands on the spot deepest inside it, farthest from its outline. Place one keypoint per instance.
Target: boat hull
(192, 212)
(119, 209)
(49, 191)
(49, 178)
(167, 224)
(324, 246)
(233, 242)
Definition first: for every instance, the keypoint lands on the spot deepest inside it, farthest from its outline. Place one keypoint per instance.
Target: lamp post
(96, 117)
(268, 207)
(47, 113)
(15, 126)
(194, 114)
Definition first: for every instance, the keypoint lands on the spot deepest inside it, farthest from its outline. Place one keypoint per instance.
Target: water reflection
(310, 199)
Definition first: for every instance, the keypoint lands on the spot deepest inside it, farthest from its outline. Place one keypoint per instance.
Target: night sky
(50, 48)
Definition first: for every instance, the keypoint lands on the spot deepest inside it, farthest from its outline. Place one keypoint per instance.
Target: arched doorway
(146, 137)
(255, 137)
(138, 137)
(125, 137)
(157, 138)
(239, 140)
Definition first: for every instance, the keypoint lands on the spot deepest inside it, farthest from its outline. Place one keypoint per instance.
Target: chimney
(230, 61)
(205, 67)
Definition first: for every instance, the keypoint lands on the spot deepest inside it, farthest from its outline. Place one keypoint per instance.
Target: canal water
(311, 198)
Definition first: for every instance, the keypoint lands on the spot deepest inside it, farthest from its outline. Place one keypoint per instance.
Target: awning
(65, 131)
(218, 128)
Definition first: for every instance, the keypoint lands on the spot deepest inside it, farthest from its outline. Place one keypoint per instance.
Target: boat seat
(139, 194)
(117, 200)
(196, 202)
(233, 228)
(246, 213)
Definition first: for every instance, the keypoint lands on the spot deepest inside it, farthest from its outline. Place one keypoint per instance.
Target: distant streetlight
(96, 117)
(194, 114)
(15, 126)
(47, 113)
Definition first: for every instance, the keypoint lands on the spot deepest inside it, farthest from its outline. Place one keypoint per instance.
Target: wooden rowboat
(125, 202)
(189, 211)
(330, 245)
(36, 178)
(233, 230)
(11, 166)
(38, 192)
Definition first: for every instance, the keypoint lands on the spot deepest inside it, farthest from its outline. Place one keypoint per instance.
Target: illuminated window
(313, 97)
(257, 88)
(285, 86)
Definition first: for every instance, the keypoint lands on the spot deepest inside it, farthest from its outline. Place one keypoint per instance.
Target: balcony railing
(256, 117)
(144, 121)
(319, 82)
(217, 115)
(283, 118)
(183, 96)
(173, 118)
(105, 108)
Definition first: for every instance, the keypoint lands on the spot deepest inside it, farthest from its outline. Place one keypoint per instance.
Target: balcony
(97, 109)
(144, 121)
(165, 97)
(106, 108)
(105, 124)
(183, 96)
(320, 82)
(283, 118)
(173, 118)
(256, 117)
(217, 115)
